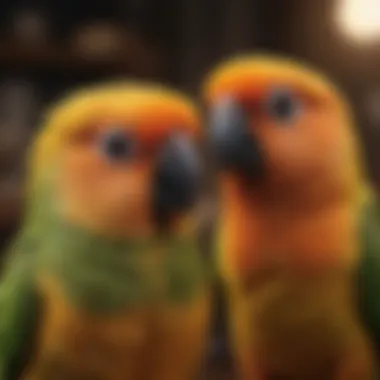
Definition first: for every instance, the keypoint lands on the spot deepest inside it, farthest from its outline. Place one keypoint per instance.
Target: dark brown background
(44, 51)
(174, 41)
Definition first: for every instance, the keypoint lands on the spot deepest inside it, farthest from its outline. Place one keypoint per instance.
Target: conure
(298, 242)
(105, 280)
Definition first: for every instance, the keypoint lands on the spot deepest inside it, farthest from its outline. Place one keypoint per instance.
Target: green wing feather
(369, 270)
(18, 312)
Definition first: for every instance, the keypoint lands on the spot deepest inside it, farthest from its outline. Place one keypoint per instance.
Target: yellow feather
(116, 99)
(275, 67)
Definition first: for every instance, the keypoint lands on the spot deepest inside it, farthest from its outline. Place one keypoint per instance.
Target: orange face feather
(108, 197)
(301, 212)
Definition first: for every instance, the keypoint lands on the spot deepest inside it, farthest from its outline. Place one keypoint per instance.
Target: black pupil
(117, 145)
(283, 105)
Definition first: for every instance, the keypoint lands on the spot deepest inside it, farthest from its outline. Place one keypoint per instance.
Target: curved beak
(177, 179)
(232, 142)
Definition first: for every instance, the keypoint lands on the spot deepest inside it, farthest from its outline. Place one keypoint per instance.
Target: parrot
(104, 280)
(297, 245)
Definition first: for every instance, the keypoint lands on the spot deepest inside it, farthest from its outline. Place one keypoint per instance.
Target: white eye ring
(283, 105)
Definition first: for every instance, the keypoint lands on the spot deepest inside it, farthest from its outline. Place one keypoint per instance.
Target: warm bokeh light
(359, 19)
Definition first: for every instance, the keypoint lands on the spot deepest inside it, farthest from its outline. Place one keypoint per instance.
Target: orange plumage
(287, 240)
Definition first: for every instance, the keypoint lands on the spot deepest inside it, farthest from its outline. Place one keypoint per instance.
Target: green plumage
(98, 275)
(369, 271)
(19, 314)
(102, 275)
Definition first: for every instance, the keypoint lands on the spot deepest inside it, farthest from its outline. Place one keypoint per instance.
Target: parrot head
(282, 140)
(120, 160)
(279, 127)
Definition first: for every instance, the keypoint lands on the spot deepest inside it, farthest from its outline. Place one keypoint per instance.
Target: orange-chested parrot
(105, 280)
(298, 237)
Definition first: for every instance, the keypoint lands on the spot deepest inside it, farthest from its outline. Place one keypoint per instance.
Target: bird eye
(117, 145)
(283, 105)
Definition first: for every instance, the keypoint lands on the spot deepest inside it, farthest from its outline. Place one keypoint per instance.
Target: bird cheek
(284, 150)
(128, 200)
(112, 200)
(130, 188)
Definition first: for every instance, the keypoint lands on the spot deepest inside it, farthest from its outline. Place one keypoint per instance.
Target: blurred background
(48, 47)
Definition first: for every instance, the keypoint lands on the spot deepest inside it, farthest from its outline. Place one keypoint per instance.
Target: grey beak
(177, 178)
(232, 142)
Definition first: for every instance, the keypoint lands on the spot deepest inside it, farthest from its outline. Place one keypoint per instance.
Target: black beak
(177, 179)
(232, 143)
